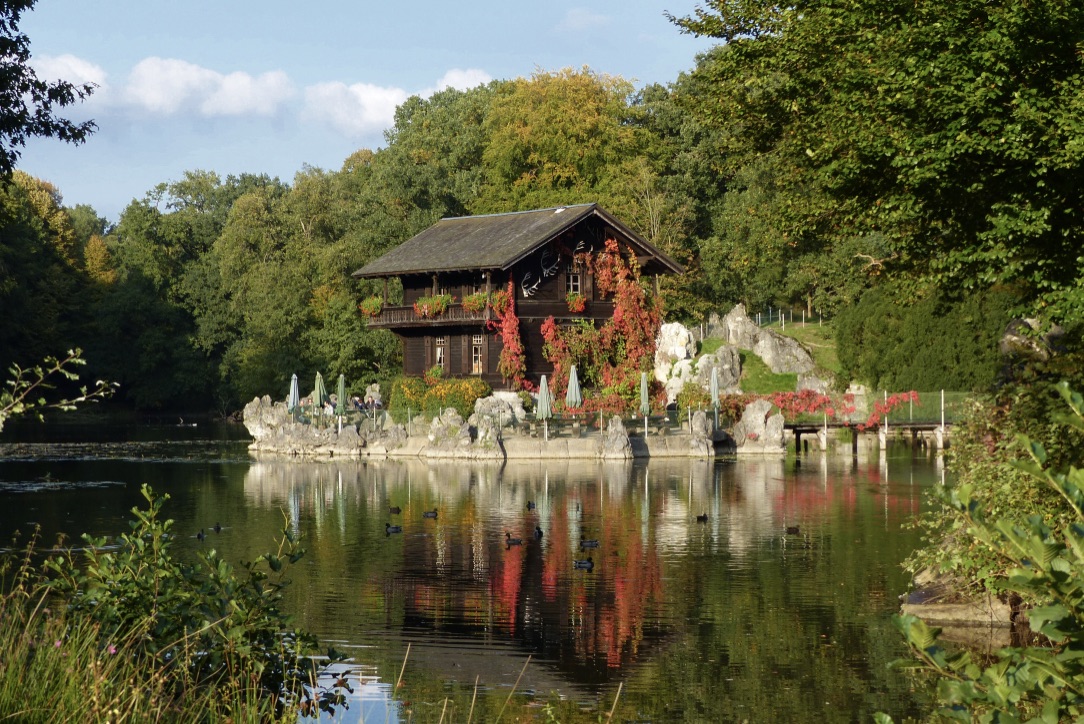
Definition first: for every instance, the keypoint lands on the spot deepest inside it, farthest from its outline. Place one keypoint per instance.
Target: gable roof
(493, 241)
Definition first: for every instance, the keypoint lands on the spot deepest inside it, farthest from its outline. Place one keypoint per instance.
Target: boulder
(614, 443)
(276, 431)
(727, 360)
(738, 329)
(759, 431)
(701, 442)
(675, 342)
(503, 408)
(674, 380)
(810, 381)
(448, 431)
(1022, 339)
(781, 353)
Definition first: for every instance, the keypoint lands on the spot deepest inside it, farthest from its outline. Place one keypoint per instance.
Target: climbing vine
(609, 358)
(512, 363)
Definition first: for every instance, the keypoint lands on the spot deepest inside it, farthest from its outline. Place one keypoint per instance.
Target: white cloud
(167, 86)
(355, 110)
(580, 19)
(70, 68)
(463, 79)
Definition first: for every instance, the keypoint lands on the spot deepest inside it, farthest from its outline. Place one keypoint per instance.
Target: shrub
(693, 397)
(407, 395)
(934, 343)
(182, 627)
(475, 303)
(460, 393)
(371, 306)
(433, 306)
(1046, 565)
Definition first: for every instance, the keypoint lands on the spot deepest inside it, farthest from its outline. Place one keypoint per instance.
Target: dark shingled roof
(494, 241)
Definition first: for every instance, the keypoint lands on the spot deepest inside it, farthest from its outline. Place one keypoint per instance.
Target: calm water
(725, 620)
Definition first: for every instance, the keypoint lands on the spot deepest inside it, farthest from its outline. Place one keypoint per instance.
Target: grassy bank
(124, 631)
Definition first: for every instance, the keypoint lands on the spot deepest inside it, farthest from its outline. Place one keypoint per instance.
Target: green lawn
(757, 377)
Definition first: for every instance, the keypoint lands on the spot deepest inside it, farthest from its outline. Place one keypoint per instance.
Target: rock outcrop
(759, 432)
(675, 365)
(781, 353)
(701, 442)
(274, 430)
(614, 443)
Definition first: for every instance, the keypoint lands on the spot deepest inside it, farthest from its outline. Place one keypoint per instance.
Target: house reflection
(453, 581)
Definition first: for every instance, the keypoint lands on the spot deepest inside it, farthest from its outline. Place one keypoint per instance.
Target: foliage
(460, 393)
(576, 302)
(433, 306)
(371, 306)
(429, 396)
(29, 105)
(609, 359)
(934, 141)
(25, 392)
(512, 363)
(554, 139)
(1046, 565)
(406, 394)
(475, 303)
(87, 677)
(888, 344)
(983, 450)
(433, 375)
(693, 396)
(184, 627)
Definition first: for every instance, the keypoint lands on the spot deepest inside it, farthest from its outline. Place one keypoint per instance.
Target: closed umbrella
(294, 398)
(645, 402)
(573, 397)
(542, 409)
(319, 394)
(340, 400)
(715, 393)
(340, 392)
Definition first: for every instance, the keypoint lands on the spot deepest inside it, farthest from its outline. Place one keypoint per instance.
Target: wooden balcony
(455, 315)
(398, 317)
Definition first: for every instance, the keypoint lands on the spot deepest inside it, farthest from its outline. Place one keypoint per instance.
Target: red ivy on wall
(611, 357)
(512, 363)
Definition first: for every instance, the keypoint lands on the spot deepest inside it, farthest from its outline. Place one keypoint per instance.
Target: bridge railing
(927, 410)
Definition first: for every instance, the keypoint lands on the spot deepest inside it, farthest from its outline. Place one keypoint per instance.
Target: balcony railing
(455, 314)
(405, 316)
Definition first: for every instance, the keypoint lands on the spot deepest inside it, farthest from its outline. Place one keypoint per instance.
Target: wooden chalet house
(470, 255)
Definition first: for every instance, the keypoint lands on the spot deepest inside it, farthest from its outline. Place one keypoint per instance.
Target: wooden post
(385, 291)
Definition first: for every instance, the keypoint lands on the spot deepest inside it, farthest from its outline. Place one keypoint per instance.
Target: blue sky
(237, 86)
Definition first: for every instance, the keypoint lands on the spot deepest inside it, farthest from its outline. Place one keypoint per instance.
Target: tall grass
(71, 652)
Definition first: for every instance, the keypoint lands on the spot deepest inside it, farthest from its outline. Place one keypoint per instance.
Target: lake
(732, 618)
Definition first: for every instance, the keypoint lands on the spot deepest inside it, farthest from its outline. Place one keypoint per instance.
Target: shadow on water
(776, 606)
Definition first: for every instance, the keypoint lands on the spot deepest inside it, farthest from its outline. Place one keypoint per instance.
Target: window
(573, 280)
(476, 287)
(476, 366)
(440, 344)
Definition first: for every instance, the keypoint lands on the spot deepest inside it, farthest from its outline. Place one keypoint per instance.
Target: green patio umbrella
(715, 393)
(573, 397)
(542, 410)
(645, 402)
(340, 393)
(294, 398)
(319, 395)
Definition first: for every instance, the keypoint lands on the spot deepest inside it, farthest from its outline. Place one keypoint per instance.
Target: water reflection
(726, 619)
(472, 606)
